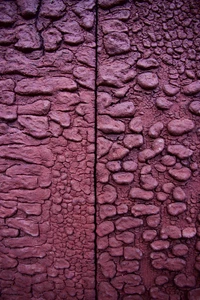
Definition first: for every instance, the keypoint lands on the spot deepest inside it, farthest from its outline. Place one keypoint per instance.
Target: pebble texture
(99, 150)
(47, 150)
(148, 58)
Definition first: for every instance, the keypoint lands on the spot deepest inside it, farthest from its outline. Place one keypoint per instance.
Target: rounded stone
(149, 235)
(105, 228)
(189, 232)
(179, 194)
(148, 80)
(155, 130)
(116, 43)
(170, 231)
(114, 166)
(168, 160)
(123, 177)
(170, 90)
(160, 280)
(175, 209)
(142, 209)
(163, 103)
(136, 125)
(179, 127)
(107, 211)
(194, 107)
(182, 174)
(148, 63)
(129, 165)
(180, 250)
(180, 151)
(160, 245)
(133, 140)
(181, 280)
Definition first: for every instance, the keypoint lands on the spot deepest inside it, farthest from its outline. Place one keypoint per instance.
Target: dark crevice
(95, 153)
(39, 32)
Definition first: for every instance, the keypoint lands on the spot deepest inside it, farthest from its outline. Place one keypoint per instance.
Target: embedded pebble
(116, 43)
(161, 280)
(170, 231)
(194, 107)
(167, 187)
(108, 125)
(189, 232)
(155, 130)
(126, 237)
(114, 25)
(146, 169)
(180, 151)
(109, 3)
(123, 110)
(160, 245)
(177, 208)
(108, 195)
(149, 235)
(107, 211)
(148, 182)
(182, 174)
(163, 103)
(128, 266)
(161, 196)
(132, 253)
(122, 209)
(148, 63)
(117, 151)
(179, 194)
(192, 88)
(113, 166)
(136, 125)
(103, 146)
(105, 228)
(170, 90)
(158, 145)
(129, 165)
(148, 80)
(142, 209)
(168, 160)
(137, 193)
(125, 223)
(153, 221)
(179, 127)
(180, 250)
(133, 141)
(181, 280)
(123, 177)
(146, 154)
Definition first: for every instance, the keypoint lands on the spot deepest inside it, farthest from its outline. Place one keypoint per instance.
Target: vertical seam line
(95, 156)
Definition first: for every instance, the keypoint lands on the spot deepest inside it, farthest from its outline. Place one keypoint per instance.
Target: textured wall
(99, 129)
(47, 149)
(148, 150)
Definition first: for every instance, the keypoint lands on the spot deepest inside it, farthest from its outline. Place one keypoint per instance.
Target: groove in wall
(95, 154)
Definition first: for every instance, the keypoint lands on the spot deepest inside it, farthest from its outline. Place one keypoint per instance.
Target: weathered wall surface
(101, 136)
(47, 149)
(148, 150)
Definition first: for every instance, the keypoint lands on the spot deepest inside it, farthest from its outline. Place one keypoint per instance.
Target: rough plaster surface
(99, 149)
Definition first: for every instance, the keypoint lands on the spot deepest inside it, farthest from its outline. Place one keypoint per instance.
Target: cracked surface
(47, 150)
(148, 148)
(99, 136)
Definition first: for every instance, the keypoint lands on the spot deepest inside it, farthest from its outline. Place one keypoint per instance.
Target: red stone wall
(99, 149)
(47, 149)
